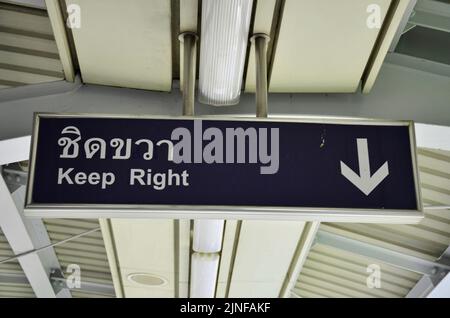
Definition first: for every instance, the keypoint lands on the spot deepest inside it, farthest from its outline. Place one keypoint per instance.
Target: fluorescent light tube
(223, 47)
(208, 236)
(204, 269)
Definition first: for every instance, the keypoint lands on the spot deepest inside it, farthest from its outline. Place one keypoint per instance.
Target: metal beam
(382, 254)
(427, 287)
(26, 234)
(113, 259)
(301, 254)
(435, 286)
(402, 25)
(442, 289)
(17, 232)
(386, 35)
(59, 32)
(42, 89)
(14, 150)
(422, 288)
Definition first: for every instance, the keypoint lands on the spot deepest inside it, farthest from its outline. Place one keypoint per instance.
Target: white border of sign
(226, 212)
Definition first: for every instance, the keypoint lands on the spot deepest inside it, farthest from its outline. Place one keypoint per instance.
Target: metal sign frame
(220, 211)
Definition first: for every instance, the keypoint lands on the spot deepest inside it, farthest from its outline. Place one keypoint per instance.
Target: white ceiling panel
(145, 246)
(125, 43)
(323, 45)
(264, 253)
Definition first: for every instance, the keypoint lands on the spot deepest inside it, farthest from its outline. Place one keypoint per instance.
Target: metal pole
(189, 41)
(260, 41)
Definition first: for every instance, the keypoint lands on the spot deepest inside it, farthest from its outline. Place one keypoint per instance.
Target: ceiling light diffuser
(223, 47)
(208, 236)
(203, 275)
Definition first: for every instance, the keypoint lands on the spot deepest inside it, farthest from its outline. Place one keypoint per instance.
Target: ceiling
(316, 46)
(28, 52)
(306, 54)
(88, 252)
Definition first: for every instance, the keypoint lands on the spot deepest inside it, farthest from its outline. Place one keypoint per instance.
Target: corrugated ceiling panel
(88, 251)
(125, 45)
(323, 45)
(13, 267)
(28, 52)
(330, 272)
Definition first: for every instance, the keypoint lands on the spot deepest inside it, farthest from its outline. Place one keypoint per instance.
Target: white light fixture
(204, 269)
(208, 236)
(223, 47)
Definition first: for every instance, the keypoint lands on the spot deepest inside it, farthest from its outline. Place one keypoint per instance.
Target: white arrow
(364, 181)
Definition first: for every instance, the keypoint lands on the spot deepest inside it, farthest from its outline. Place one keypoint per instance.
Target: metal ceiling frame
(14, 150)
(393, 19)
(113, 260)
(427, 284)
(59, 31)
(24, 235)
(394, 258)
(305, 244)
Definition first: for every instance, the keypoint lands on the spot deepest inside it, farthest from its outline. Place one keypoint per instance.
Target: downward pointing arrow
(364, 181)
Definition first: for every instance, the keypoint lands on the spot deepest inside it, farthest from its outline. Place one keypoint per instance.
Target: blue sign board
(170, 166)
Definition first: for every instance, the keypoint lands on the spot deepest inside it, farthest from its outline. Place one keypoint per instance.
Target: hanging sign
(311, 169)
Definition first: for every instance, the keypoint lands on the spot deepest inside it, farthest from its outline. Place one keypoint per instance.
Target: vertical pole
(260, 41)
(189, 41)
